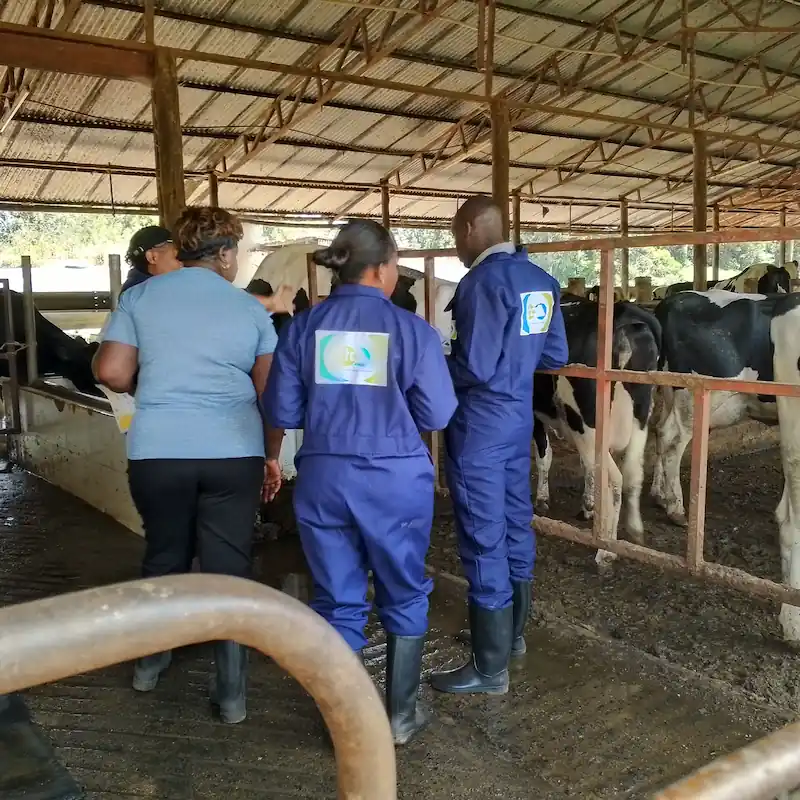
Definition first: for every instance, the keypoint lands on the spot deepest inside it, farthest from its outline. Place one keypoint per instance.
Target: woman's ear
(225, 259)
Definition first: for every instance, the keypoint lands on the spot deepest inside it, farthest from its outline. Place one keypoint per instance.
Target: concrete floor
(586, 718)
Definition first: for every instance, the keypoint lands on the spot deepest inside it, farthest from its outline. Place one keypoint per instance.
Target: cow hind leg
(788, 517)
(677, 433)
(632, 479)
(543, 454)
(613, 504)
(663, 405)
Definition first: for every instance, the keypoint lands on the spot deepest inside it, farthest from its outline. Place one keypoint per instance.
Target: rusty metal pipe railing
(760, 771)
(56, 638)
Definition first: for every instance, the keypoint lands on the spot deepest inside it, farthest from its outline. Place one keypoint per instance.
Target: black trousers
(205, 507)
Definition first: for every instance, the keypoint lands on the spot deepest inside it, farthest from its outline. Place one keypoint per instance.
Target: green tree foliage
(45, 236)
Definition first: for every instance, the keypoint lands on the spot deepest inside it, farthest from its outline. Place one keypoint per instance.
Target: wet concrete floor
(585, 718)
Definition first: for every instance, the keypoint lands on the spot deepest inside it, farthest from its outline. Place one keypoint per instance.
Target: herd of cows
(724, 332)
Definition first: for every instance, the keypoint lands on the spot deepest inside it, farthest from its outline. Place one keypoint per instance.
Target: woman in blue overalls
(363, 378)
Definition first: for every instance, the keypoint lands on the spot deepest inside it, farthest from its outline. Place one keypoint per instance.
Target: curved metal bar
(47, 640)
(760, 771)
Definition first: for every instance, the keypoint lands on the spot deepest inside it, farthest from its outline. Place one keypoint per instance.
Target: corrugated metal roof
(93, 122)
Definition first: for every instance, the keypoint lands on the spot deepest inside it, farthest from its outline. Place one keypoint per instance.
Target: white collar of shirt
(503, 247)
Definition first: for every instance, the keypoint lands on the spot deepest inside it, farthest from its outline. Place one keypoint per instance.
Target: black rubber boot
(407, 716)
(148, 670)
(522, 609)
(487, 671)
(523, 593)
(229, 692)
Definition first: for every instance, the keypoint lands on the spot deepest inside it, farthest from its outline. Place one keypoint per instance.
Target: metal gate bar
(760, 771)
(70, 634)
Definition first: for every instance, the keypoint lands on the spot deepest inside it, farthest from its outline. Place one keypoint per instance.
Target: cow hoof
(657, 500)
(542, 506)
(605, 561)
(637, 537)
(586, 514)
(678, 518)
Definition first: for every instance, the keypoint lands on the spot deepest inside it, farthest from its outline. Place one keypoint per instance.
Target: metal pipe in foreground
(761, 771)
(114, 278)
(67, 635)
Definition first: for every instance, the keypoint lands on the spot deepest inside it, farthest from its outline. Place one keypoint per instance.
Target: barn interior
(607, 121)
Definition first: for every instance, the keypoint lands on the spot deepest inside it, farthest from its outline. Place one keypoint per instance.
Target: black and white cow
(748, 337)
(567, 405)
(57, 353)
(770, 279)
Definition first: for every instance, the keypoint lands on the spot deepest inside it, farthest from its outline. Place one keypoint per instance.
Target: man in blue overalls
(508, 323)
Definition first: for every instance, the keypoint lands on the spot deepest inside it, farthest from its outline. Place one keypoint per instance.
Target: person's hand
(272, 479)
(281, 302)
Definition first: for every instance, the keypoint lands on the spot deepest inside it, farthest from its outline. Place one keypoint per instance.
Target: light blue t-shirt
(198, 337)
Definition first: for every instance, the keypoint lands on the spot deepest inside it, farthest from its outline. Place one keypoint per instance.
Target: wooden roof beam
(52, 51)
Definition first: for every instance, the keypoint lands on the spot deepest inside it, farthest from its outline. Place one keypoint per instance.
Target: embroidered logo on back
(352, 358)
(537, 311)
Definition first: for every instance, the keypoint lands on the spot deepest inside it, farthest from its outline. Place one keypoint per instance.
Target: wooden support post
(715, 262)
(385, 209)
(700, 211)
(114, 278)
(624, 263)
(516, 214)
(500, 159)
(783, 250)
(213, 189)
(643, 289)
(168, 138)
(430, 318)
(149, 21)
(29, 314)
(697, 482)
(603, 514)
(311, 272)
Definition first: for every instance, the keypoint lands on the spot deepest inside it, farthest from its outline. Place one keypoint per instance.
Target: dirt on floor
(632, 679)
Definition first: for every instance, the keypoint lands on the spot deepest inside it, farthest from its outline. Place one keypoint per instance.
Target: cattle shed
(623, 123)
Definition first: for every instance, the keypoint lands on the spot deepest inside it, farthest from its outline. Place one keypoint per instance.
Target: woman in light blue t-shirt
(199, 351)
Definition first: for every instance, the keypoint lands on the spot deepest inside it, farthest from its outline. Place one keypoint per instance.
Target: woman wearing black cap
(151, 252)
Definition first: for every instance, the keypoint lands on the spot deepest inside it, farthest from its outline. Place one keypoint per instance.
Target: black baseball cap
(146, 239)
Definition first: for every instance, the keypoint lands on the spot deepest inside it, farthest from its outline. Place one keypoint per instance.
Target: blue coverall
(363, 378)
(508, 323)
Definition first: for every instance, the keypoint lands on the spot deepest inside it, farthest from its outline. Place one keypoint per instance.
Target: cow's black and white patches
(568, 406)
(750, 337)
(769, 279)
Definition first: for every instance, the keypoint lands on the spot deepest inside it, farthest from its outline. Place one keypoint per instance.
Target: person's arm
(555, 353)
(431, 398)
(480, 318)
(267, 342)
(116, 361)
(285, 398)
(279, 302)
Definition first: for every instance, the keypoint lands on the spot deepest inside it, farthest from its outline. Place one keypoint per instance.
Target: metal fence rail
(769, 769)
(63, 636)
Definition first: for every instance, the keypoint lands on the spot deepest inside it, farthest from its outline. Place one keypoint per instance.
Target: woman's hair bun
(331, 257)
